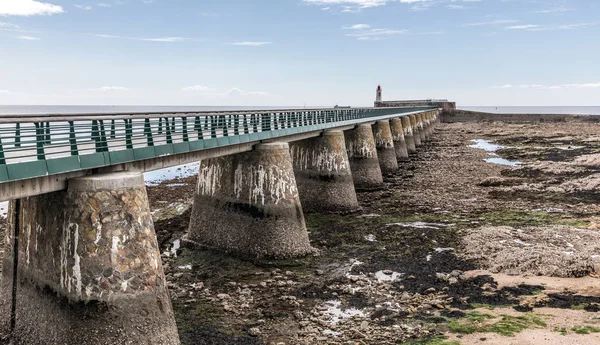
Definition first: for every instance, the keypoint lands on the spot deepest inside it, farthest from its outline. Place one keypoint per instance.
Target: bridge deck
(38, 153)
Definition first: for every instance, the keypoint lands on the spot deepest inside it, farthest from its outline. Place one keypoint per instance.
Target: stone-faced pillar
(384, 142)
(421, 126)
(364, 163)
(323, 174)
(408, 134)
(416, 130)
(247, 204)
(89, 267)
(399, 141)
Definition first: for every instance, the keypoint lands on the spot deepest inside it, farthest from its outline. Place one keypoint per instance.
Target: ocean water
(534, 110)
(84, 109)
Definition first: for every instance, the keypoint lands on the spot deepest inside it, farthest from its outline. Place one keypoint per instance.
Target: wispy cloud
(28, 38)
(492, 22)
(110, 89)
(356, 27)
(555, 10)
(147, 39)
(83, 7)
(534, 27)
(522, 27)
(214, 92)
(249, 43)
(28, 8)
(552, 87)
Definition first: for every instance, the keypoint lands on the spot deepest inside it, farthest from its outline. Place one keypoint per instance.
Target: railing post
(236, 125)
(113, 133)
(48, 133)
(254, 120)
(246, 129)
(213, 127)
(18, 135)
(185, 131)
(96, 135)
(2, 158)
(39, 140)
(73, 139)
(148, 132)
(128, 134)
(168, 130)
(103, 142)
(160, 126)
(173, 129)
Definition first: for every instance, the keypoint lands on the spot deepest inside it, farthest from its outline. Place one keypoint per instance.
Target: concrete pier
(416, 130)
(421, 126)
(88, 267)
(399, 141)
(323, 174)
(384, 142)
(408, 134)
(364, 162)
(247, 204)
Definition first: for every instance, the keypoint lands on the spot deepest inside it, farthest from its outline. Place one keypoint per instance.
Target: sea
(76, 109)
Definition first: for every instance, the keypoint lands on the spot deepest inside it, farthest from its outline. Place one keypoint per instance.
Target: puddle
(373, 215)
(491, 149)
(385, 276)
(336, 314)
(173, 251)
(502, 161)
(185, 267)
(156, 177)
(422, 225)
(486, 145)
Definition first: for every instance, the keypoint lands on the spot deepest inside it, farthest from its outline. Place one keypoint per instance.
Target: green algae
(441, 340)
(585, 329)
(476, 322)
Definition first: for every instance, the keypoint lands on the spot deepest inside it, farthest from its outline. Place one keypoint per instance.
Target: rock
(255, 332)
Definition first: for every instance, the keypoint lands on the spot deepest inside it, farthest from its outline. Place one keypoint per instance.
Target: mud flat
(457, 249)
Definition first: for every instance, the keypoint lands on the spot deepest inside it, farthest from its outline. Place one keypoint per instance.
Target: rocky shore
(457, 249)
(488, 235)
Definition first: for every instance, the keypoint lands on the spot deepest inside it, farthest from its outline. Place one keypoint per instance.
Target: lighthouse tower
(378, 97)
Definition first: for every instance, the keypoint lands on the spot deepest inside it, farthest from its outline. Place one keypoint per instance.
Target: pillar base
(408, 134)
(364, 162)
(386, 152)
(247, 204)
(89, 268)
(399, 140)
(323, 175)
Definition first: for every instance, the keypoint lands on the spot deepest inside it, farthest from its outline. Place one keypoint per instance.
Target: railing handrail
(61, 117)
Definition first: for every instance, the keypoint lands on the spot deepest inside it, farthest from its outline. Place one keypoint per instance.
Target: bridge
(82, 262)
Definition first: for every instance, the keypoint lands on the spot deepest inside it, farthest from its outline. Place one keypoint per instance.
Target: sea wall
(474, 116)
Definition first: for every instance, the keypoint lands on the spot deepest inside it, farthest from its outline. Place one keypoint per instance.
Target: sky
(299, 52)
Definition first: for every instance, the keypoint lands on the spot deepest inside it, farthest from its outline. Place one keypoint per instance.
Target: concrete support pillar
(416, 130)
(247, 204)
(421, 126)
(88, 267)
(323, 174)
(408, 134)
(384, 142)
(427, 124)
(364, 162)
(399, 141)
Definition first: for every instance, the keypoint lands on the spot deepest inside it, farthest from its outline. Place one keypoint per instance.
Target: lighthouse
(378, 97)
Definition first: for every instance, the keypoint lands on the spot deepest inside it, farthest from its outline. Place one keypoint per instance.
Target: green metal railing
(39, 145)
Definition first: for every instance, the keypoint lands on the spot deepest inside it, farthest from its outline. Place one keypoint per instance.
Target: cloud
(28, 38)
(553, 87)
(110, 89)
(83, 7)
(147, 39)
(4, 92)
(102, 4)
(28, 8)
(522, 27)
(357, 27)
(492, 22)
(375, 34)
(213, 92)
(348, 3)
(249, 43)
(554, 10)
(8, 25)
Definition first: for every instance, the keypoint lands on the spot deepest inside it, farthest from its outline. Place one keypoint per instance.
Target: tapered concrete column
(399, 141)
(364, 162)
(386, 151)
(427, 124)
(323, 174)
(421, 126)
(89, 267)
(408, 134)
(416, 130)
(247, 204)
